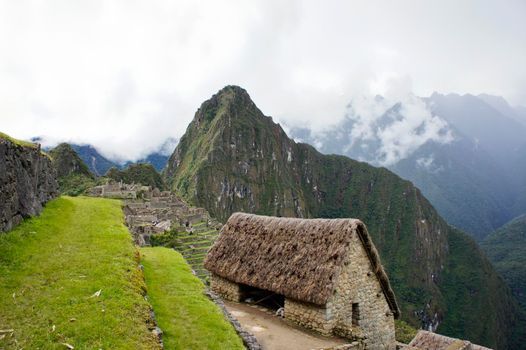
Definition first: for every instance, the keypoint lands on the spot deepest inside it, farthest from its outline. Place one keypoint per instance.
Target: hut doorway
(269, 300)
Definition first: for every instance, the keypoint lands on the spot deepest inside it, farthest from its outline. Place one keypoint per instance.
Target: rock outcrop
(27, 181)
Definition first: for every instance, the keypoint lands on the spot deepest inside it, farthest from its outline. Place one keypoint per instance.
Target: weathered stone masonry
(27, 181)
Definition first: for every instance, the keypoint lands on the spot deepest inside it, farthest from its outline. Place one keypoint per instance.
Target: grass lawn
(51, 267)
(187, 317)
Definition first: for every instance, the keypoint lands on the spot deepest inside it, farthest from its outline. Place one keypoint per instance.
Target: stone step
(197, 238)
(185, 250)
(196, 245)
(197, 241)
(195, 257)
(186, 235)
(187, 253)
(197, 262)
(202, 272)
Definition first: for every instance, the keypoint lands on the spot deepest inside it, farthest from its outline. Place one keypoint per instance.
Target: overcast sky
(125, 75)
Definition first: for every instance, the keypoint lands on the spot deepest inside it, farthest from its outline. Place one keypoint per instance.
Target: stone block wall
(357, 284)
(309, 316)
(27, 181)
(224, 288)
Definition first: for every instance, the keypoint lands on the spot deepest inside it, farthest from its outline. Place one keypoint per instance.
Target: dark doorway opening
(269, 300)
(355, 314)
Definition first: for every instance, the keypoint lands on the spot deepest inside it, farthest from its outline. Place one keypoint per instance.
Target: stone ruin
(149, 211)
(119, 190)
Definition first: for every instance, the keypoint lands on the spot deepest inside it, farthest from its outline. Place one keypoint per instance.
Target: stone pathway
(274, 333)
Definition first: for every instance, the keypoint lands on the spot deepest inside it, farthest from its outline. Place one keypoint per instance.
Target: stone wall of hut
(309, 316)
(225, 289)
(358, 284)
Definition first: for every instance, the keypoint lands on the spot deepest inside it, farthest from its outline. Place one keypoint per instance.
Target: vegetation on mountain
(97, 163)
(144, 174)
(474, 179)
(506, 248)
(74, 176)
(471, 195)
(17, 141)
(189, 319)
(233, 158)
(71, 276)
(404, 331)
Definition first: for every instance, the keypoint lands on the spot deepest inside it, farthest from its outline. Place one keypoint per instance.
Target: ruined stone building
(326, 273)
(425, 340)
(118, 190)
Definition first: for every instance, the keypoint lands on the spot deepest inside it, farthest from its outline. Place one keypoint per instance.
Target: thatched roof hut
(298, 258)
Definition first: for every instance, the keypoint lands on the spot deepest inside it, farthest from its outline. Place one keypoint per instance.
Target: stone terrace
(150, 212)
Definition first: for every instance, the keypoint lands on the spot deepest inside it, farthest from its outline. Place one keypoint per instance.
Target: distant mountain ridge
(234, 158)
(100, 165)
(476, 180)
(97, 163)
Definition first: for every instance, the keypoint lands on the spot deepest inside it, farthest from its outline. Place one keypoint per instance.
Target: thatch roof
(432, 341)
(298, 258)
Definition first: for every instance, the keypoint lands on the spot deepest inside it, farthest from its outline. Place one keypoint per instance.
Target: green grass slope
(50, 269)
(189, 320)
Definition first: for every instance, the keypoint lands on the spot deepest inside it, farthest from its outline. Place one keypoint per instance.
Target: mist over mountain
(466, 153)
(99, 164)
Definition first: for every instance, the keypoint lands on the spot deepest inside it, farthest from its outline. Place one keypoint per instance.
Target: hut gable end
(298, 258)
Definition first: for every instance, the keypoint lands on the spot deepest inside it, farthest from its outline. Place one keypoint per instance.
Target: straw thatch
(298, 258)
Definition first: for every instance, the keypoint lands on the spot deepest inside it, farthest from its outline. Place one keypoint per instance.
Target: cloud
(383, 129)
(126, 75)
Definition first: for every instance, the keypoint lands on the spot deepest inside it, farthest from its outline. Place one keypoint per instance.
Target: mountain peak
(232, 101)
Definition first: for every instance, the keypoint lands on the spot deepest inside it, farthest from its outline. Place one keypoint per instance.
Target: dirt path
(274, 333)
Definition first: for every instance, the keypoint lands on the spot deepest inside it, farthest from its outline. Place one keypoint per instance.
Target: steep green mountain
(233, 158)
(158, 158)
(144, 174)
(506, 248)
(97, 163)
(462, 183)
(74, 177)
(474, 178)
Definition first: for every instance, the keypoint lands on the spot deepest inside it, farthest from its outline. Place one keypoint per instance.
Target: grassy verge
(187, 317)
(51, 268)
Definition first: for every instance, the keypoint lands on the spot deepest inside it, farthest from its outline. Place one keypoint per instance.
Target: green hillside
(51, 268)
(142, 173)
(506, 248)
(233, 158)
(74, 176)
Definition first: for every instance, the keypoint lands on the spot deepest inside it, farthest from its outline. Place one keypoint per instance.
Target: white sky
(125, 75)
